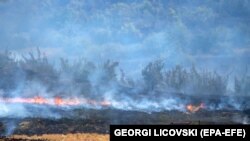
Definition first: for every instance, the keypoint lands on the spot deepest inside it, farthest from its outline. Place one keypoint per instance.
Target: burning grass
(195, 108)
(56, 101)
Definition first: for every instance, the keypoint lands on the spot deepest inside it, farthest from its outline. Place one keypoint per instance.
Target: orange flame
(56, 101)
(194, 108)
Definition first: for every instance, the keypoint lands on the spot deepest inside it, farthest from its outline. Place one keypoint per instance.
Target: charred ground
(98, 121)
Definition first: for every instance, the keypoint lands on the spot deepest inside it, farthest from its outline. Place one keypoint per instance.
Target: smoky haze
(157, 89)
(211, 34)
(149, 55)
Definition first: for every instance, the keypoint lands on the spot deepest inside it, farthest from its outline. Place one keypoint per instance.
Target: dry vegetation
(62, 137)
(67, 137)
(90, 79)
(87, 79)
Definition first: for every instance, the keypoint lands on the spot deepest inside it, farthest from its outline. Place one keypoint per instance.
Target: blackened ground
(11, 139)
(98, 121)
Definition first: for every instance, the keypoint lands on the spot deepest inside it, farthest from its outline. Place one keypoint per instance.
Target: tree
(152, 74)
(37, 68)
(9, 71)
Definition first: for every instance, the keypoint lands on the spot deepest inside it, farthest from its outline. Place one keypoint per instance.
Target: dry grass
(65, 137)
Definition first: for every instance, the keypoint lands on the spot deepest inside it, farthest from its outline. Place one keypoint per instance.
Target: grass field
(61, 137)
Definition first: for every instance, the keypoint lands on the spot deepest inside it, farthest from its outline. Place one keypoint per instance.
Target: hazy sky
(210, 33)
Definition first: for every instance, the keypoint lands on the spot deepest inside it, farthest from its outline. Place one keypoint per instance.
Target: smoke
(46, 91)
(158, 88)
(133, 35)
(132, 32)
(11, 125)
(242, 119)
(246, 120)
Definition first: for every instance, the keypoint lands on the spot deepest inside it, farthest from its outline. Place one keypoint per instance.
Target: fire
(194, 108)
(40, 100)
(59, 101)
(56, 101)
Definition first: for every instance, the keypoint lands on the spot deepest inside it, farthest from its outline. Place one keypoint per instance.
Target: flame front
(59, 101)
(193, 108)
(56, 101)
